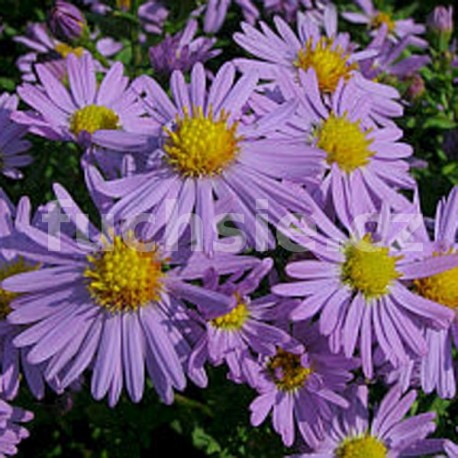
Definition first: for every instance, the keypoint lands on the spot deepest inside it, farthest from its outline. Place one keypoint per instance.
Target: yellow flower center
(287, 371)
(234, 320)
(329, 62)
(201, 145)
(64, 50)
(124, 276)
(361, 447)
(92, 118)
(441, 288)
(369, 268)
(345, 143)
(8, 270)
(383, 18)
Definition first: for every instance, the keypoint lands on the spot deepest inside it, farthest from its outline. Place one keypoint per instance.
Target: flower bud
(441, 20)
(67, 21)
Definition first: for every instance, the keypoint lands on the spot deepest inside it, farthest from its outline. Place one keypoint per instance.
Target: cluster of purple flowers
(194, 180)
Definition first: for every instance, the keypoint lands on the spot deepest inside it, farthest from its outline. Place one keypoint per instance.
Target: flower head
(208, 153)
(353, 434)
(112, 302)
(300, 385)
(84, 108)
(359, 286)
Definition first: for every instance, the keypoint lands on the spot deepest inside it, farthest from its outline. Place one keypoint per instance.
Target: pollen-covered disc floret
(92, 118)
(234, 320)
(345, 143)
(330, 62)
(64, 50)
(369, 268)
(382, 18)
(286, 371)
(362, 447)
(201, 144)
(8, 270)
(441, 288)
(124, 276)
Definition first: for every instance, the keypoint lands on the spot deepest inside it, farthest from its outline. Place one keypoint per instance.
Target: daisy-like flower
(397, 28)
(300, 385)
(13, 361)
(353, 433)
(45, 48)
(207, 154)
(389, 59)
(113, 303)
(246, 329)
(12, 144)
(182, 50)
(365, 163)
(331, 55)
(11, 431)
(84, 108)
(437, 367)
(358, 286)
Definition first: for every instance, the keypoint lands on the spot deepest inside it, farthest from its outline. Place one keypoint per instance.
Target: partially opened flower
(300, 385)
(208, 154)
(359, 287)
(391, 59)
(11, 431)
(85, 107)
(365, 164)
(182, 50)
(112, 302)
(12, 142)
(353, 433)
(247, 329)
(397, 28)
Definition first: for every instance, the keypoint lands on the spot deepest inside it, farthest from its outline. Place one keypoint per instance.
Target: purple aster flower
(52, 53)
(77, 112)
(207, 155)
(216, 10)
(365, 164)
(437, 368)
(153, 15)
(66, 21)
(245, 330)
(352, 433)
(389, 59)
(359, 287)
(375, 19)
(332, 56)
(12, 144)
(111, 302)
(11, 432)
(182, 50)
(300, 384)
